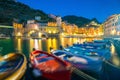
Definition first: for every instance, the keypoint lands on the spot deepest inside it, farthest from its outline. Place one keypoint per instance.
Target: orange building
(69, 28)
(18, 29)
(52, 24)
(92, 29)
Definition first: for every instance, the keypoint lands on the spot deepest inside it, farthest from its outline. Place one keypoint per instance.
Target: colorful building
(91, 30)
(69, 28)
(18, 29)
(55, 28)
(112, 25)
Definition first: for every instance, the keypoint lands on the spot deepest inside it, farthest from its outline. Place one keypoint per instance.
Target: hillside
(79, 21)
(11, 10)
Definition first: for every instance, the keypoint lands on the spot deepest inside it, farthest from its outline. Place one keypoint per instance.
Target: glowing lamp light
(49, 31)
(19, 34)
(32, 31)
(39, 34)
(113, 32)
(62, 34)
(54, 31)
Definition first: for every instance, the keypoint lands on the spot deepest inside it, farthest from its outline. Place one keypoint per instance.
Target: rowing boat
(50, 66)
(12, 66)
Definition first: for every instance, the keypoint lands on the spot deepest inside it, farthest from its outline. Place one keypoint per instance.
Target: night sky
(100, 9)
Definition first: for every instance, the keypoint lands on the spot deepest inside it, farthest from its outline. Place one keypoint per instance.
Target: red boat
(50, 66)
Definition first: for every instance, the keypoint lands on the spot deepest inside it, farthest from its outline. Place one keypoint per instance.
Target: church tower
(59, 21)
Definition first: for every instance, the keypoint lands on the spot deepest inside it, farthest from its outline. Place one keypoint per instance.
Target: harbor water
(26, 45)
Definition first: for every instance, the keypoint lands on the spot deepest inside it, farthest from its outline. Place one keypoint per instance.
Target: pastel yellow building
(92, 30)
(52, 30)
(18, 29)
(69, 28)
(53, 24)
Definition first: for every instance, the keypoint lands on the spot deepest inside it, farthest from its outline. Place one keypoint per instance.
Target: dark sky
(100, 9)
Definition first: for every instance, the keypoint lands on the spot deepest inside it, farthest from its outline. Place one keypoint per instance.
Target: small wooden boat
(81, 62)
(90, 66)
(50, 66)
(100, 53)
(12, 66)
(96, 44)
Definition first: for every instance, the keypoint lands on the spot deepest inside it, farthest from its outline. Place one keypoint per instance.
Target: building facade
(18, 29)
(112, 25)
(92, 29)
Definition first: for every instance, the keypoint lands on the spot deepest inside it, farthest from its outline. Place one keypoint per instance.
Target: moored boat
(101, 53)
(12, 66)
(96, 44)
(81, 62)
(51, 67)
(91, 66)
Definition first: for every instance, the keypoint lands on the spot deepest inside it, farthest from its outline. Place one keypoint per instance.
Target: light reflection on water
(19, 45)
(26, 45)
(115, 59)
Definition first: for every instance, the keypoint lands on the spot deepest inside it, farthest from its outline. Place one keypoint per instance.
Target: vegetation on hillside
(11, 10)
(79, 21)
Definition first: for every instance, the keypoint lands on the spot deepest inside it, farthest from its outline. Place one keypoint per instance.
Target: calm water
(26, 45)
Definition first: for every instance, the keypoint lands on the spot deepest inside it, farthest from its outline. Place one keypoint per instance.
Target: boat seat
(45, 59)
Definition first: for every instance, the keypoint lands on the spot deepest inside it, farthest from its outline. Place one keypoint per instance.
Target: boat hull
(55, 69)
(13, 66)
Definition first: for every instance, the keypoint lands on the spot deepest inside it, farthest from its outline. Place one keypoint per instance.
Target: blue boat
(84, 63)
(91, 45)
(100, 41)
(102, 53)
(96, 44)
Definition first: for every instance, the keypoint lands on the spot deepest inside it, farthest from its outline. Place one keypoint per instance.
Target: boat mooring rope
(82, 74)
